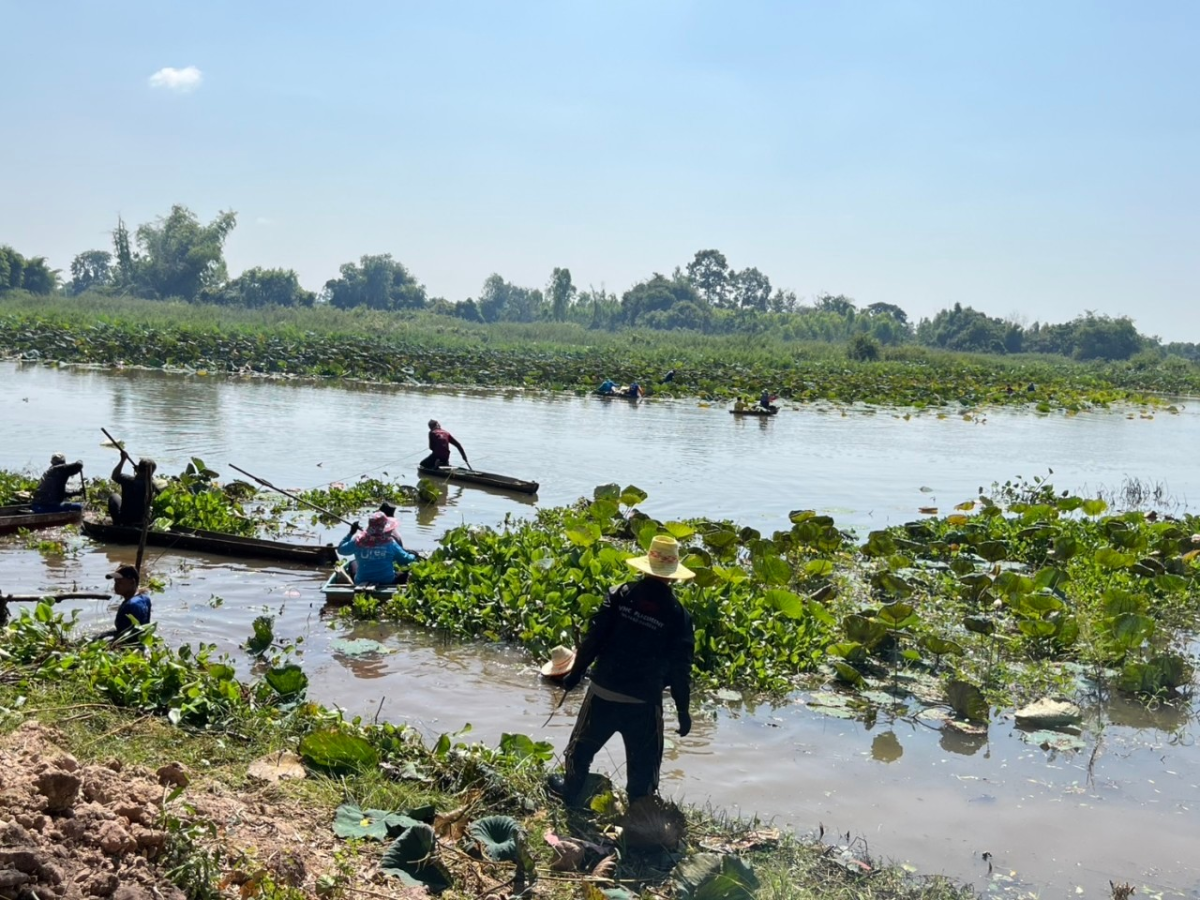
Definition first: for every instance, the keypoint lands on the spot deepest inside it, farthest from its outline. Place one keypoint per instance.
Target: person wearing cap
(641, 641)
(129, 508)
(134, 610)
(764, 401)
(633, 391)
(51, 493)
(439, 447)
(375, 551)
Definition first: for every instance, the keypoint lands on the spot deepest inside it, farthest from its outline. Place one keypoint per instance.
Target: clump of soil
(78, 831)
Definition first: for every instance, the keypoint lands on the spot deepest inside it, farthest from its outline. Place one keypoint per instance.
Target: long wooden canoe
(15, 518)
(213, 542)
(339, 593)
(754, 411)
(474, 476)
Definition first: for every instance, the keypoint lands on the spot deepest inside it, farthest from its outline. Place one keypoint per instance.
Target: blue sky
(1029, 159)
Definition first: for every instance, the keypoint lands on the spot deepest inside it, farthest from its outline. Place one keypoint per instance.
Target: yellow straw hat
(663, 560)
(561, 660)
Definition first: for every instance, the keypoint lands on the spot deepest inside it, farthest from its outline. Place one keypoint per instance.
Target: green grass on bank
(420, 347)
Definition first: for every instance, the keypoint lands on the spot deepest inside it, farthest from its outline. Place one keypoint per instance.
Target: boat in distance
(17, 518)
(755, 411)
(215, 542)
(474, 476)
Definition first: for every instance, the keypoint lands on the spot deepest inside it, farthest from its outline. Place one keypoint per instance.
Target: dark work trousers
(641, 728)
(433, 461)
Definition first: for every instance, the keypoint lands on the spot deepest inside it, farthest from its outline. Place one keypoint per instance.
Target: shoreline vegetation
(423, 349)
(213, 829)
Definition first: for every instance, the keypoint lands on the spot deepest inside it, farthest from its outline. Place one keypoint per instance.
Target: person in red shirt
(439, 446)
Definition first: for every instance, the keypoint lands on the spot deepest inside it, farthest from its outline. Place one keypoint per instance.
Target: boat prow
(217, 543)
(18, 518)
(474, 476)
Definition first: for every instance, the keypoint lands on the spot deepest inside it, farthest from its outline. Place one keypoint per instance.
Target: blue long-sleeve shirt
(376, 565)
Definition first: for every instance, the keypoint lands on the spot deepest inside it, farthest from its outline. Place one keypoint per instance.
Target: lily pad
(337, 751)
(377, 824)
(714, 876)
(498, 837)
(409, 859)
(287, 681)
(1053, 740)
(356, 647)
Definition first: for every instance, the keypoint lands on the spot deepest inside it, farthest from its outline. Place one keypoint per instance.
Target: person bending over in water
(439, 447)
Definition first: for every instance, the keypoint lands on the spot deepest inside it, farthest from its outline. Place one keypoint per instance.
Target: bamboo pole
(272, 487)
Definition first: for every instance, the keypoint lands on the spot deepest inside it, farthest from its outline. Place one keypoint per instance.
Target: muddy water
(1052, 822)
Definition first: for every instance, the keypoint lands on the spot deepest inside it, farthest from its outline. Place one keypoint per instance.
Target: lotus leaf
(1094, 507)
(1130, 630)
(968, 701)
(819, 568)
(772, 570)
(790, 604)
(357, 647)
(607, 492)
(352, 822)
(896, 616)
(287, 681)
(892, 584)
(867, 632)
(979, 625)
(714, 876)
(337, 751)
(498, 838)
(681, 531)
(852, 651)
(879, 543)
(632, 496)
(847, 672)
(409, 858)
(940, 646)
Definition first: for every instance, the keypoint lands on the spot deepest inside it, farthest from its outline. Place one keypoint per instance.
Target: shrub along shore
(426, 349)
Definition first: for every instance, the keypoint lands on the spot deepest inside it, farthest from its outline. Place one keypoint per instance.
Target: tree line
(179, 256)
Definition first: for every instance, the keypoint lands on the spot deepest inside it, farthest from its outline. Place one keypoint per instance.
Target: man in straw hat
(641, 641)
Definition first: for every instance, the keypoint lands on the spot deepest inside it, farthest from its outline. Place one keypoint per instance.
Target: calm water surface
(938, 801)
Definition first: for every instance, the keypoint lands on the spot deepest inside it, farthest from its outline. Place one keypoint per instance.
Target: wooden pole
(268, 484)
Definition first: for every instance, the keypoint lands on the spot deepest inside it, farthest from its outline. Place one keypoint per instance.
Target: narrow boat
(213, 542)
(474, 476)
(15, 518)
(338, 593)
(754, 411)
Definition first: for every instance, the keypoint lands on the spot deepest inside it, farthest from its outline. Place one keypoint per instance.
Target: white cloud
(179, 80)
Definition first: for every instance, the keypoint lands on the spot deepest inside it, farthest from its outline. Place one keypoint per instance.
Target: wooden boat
(754, 411)
(213, 542)
(474, 476)
(621, 395)
(338, 593)
(16, 518)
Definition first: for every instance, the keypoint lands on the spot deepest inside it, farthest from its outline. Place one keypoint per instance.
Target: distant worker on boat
(134, 611)
(633, 391)
(375, 551)
(439, 446)
(130, 508)
(51, 493)
(764, 401)
(669, 377)
(608, 388)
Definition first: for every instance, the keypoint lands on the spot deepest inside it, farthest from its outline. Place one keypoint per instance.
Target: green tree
(38, 277)
(12, 269)
(709, 274)
(561, 292)
(180, 256)
(264, 287)
(378, 282)
(125, 272)
(839, 305)
(91, 269)
(751, 290)
(887, 309)
(1099, 337)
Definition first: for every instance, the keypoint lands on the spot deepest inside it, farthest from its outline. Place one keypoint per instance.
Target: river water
(1127, 807)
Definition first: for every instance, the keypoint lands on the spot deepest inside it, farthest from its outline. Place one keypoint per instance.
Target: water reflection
(962, 742)
(886, 747)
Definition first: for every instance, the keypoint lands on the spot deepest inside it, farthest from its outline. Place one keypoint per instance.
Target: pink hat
(379, 530)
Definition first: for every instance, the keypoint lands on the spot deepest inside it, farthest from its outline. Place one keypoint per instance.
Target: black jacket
(641, 641)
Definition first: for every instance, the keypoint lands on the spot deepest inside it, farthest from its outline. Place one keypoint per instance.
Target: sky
(1032, 160)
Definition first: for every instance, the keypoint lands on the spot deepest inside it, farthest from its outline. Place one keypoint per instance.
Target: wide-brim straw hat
(662, 560)
(379, 530)
(561, 660)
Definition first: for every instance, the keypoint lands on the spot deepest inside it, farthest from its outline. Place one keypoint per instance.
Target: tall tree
(125, 274)
(887, 309)
(12, 269)
(751, 289)
(378, 282)
(709, 274)
(840, 304)
(91, 269)
(180, 256)
(38, 277)
(265, 287)
(561, 292)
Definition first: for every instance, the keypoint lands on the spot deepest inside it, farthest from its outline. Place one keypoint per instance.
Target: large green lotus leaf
(967, 701)
(714, 876)
(790, 604)
(863, 630)
(1108, 558)
(337, 752)
(898, 615)
(1118, 601)
(498, 837)
(607, 492)
(772, 570)
(633, 495)
(879, 543)
(893, 584)
(287, 681)
(1094, 507)
(681, 531)
(408, 858)
(979, 625)
(1051, 578)
(1130, 629)
(940, 646)
(720, 540)
(352, 822)
(993, 551)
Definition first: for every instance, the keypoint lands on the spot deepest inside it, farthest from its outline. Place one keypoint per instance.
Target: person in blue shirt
(608, 388)
(634, 390)
(375, 550)
(134, 610)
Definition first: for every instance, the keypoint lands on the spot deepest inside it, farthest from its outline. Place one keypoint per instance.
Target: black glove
(685, 723)
(571, 681)
(355, 528)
